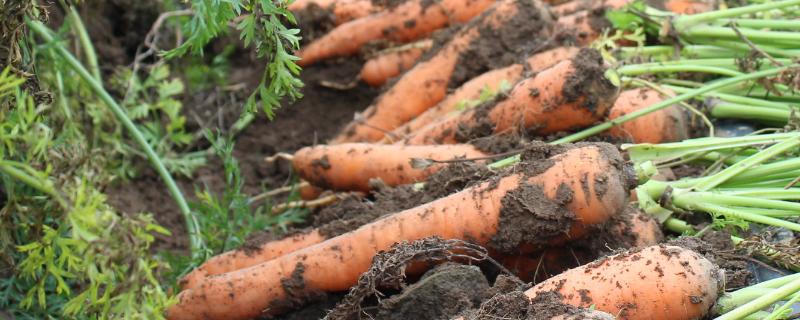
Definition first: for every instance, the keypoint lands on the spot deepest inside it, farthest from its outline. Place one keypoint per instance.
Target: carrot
(409, 21)
(309, 192)
(474, 214)
(665, 125)
(426, 84)
(492, 80)
(572, 94)
(393, 62)
(351, 166)
(243, 258)
(574, 6)
(657, 282)
(348, 10)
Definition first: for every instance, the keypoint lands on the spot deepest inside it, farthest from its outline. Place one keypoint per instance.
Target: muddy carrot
(490, 80)
(666, 125)
(657, 282)
(426, 84)
(351, 166)
(303, 4)
(393, 62)
(349, 10)
(478, 213)
(409, 21)
(570, 95)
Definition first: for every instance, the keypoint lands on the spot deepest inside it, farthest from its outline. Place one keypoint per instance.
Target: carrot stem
(710, 182)
(762, 301)
(687, 21)
(192, 225)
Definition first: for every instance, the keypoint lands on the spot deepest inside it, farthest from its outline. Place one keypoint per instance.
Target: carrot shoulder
(569, 95)
(474, 213)
(351, 166)
(409, 21)
(426, 84)
(658, 282)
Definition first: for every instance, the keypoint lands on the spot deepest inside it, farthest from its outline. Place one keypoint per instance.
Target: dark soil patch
(314, 22)
(310, 120)
(516, 38)
(515, 305)
(588, 81)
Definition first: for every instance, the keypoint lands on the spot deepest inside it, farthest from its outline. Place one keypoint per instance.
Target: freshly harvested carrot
(491, 80)
(574, 6)
(243, 258)
(476, 213)
(393, 62)
(350, 166)
(426, 84)
(348, 10)
(666, 125)
(657, 282)
(409, 21)
(572, 94)
(310, 192)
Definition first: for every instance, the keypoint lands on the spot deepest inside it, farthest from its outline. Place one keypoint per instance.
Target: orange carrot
(409, 21)
(570, 95)
(657, 282)
(351, 166)
(393, 62)
(309, 192)
(575, 6)
(491, 80)
(348, 10)
(243, 258)
(666, 125)
(474, 214)
(426, 84)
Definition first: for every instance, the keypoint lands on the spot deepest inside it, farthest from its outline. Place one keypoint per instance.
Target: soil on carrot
(314, 21)
(511, 303)
(717, 247)
(496, 47)
(311, 120)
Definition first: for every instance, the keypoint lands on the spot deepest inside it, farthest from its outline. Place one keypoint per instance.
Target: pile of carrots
(420, 124)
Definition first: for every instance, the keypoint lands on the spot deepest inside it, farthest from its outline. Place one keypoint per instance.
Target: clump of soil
(496, 47)
(528, 216)
(388, 271)
(588, 81)
(314, 22)
(443, 292)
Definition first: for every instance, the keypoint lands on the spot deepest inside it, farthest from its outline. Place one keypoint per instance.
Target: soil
(322, 112)
(517, 37)
(718, 248)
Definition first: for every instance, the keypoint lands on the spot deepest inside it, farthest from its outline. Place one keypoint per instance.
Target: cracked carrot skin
(539, 104)
(656, 283)
(474, 214)
(426, 84)
(409, 21)
(351, 166)
(473, 88)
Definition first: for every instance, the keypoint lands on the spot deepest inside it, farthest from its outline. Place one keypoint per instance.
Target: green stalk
(665, 151)
(708, 183)
(83, 37)
(753, 102)
(740, 201)
(668, 102)
(687, 21)
(762, 23)
(691, 51)
(192, 226)
(740, 214)
(782, 309)
(663, 67)
(756, 36)
(45, 187)
(730, 301)
(762, 301)
(743, 47)
(765, 193)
